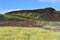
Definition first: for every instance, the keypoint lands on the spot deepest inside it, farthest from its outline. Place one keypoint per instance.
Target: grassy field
(20, 33)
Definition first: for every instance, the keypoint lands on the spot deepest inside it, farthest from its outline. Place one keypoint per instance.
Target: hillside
(46, 14)
(37, 17)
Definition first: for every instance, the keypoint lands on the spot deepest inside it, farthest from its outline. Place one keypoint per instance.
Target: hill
(26, 15)
(36, 17)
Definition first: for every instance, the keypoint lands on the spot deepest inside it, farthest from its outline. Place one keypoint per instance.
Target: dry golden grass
(24, 33)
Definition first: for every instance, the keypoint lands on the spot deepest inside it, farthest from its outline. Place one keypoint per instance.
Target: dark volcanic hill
(30, 17)
(47, 14)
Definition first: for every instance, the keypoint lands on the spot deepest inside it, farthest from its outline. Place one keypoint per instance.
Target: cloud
(51, 1)
(4, 11)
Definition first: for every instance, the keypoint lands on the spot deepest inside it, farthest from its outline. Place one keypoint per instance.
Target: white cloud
(51, 1)
(4, 11)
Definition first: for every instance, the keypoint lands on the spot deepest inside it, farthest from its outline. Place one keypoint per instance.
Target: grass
(24, 33)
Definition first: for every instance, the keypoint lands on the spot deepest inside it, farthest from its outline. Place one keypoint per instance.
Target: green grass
(24, 33)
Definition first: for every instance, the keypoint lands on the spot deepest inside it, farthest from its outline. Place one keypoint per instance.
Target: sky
(10, 5)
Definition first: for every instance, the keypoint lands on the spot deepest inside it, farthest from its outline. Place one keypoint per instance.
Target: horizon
(11, 5)
(3, 12)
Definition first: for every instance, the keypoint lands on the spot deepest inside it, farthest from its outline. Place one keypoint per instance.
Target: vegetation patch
(24, 33)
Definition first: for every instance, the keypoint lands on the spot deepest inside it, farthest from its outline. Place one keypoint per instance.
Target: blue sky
(8, 5)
